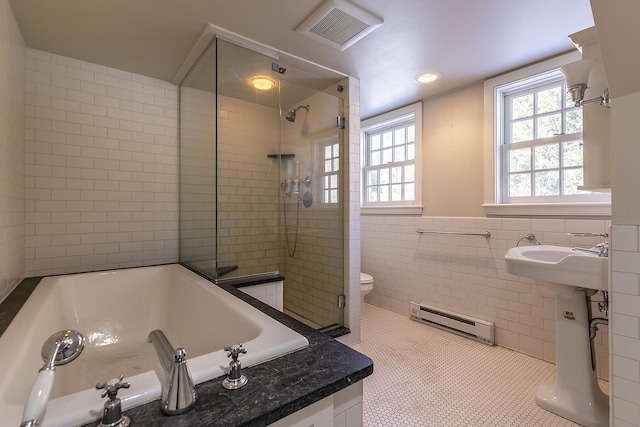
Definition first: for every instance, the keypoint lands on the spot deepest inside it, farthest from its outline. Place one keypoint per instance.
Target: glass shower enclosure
(261, 177)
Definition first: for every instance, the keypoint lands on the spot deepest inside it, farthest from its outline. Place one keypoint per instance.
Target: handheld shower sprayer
(59, 349)
(292, 114)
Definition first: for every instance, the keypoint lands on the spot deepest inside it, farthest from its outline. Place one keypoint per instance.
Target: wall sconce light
(262, 83)
(577, 75)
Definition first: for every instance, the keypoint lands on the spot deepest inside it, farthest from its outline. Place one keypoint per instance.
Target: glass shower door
(312, 204)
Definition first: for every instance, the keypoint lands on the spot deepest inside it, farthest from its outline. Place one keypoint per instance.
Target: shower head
(292, 114)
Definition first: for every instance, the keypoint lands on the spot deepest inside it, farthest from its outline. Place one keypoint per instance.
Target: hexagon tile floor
(424, 377)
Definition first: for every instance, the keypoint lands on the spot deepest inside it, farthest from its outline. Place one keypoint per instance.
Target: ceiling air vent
(339, 23)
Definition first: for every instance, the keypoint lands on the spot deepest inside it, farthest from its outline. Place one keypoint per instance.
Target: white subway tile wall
(12, 58)
(101, 167)
(101, 181)
(625, 324)
(198, 178)
(352, 234)
(468, 274)
(269, 293)
(247, 183)
(248, 191)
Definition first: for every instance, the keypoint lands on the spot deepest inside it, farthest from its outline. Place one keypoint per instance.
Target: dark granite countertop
(275, 389)
(14, 301)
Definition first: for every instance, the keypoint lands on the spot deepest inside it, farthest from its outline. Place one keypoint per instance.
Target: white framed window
(330, 153)
(533, 145)
(541, 147)
(391, 147)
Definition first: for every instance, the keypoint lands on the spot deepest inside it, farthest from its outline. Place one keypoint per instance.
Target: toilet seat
(365, 279)
(366, 286)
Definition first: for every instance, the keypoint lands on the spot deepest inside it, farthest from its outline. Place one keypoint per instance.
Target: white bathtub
(115, 311)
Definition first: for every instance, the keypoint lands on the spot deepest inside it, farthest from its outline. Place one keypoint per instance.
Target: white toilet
(366, 286)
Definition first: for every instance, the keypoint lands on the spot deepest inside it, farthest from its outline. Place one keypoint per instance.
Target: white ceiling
(466, 41)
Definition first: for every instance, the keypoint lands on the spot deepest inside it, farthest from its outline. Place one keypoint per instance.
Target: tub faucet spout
(178, 392)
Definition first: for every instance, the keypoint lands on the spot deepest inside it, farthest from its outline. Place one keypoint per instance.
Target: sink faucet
(601, 249)
(178, 392)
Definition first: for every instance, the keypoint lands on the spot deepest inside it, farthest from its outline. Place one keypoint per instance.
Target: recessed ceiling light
(426, 77)
(262, 83)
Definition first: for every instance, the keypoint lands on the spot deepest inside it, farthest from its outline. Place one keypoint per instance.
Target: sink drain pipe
(594, 322)
(593, 326)
(593, 329)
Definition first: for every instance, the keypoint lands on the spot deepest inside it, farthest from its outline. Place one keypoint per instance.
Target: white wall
(101, 167)
(452, 166)
(12, 60)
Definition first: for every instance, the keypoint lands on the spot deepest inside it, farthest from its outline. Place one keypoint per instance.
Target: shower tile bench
(317, 383)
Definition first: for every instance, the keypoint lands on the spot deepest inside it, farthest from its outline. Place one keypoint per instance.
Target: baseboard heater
(477, 329)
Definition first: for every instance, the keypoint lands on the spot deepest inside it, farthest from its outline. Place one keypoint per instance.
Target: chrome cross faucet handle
(234, 379)
(235, 350)
(112, 414)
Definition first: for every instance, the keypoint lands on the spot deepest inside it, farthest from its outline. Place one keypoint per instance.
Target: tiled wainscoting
(268, 293)
(468, 274)
(625, 324)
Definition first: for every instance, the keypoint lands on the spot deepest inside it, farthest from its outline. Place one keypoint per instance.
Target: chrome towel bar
(485, 234)
(588, 234)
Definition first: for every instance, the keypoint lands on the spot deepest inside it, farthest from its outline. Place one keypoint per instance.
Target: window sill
(392, 210)
(582, 210)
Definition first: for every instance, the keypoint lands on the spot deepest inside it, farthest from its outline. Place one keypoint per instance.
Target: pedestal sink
(573, 275)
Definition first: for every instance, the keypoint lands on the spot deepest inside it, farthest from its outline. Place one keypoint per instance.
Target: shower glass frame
(236, 150)
(198, 164)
